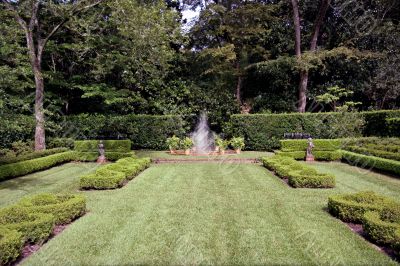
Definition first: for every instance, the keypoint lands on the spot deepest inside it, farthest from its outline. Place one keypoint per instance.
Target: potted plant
(187, 144)
(173, 144)
(222, 145)
(237, 144)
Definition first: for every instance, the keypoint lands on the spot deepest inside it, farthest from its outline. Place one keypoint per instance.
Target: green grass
(214, 214)
(167, 155)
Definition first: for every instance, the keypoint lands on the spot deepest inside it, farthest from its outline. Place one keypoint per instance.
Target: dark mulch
(358, 229)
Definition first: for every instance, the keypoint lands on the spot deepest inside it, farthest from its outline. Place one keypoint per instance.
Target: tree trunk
(40, 136)
(239, 85)
(303, 92)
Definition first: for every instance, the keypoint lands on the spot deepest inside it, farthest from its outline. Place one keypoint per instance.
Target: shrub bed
(109, 145)
(35, 227)
(30, 166)
(113, 176)
(298, 174)
(11, 242)
(65, 208)
(111, 156)
(352, 207)
(318, 155)
(363, 161)
(302, 144)
(375, 152)
(393, 125)
(30, 156)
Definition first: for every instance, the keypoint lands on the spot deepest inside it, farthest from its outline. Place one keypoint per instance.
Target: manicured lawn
(167, 155)
(214, 214)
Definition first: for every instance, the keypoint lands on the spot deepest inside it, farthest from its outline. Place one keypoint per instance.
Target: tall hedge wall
(263, 131)
(145, 131)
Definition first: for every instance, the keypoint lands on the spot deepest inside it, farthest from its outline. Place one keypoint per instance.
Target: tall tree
(37, 34)
(304, 73)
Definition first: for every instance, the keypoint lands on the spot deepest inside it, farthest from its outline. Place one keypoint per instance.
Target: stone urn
(187, 152)
(238, 151)
(221, 151)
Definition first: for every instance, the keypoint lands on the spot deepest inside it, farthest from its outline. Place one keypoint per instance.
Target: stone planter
(187, 152)
(238, 151)
(222, 152)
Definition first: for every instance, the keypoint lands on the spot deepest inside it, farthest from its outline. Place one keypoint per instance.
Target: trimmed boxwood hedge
(30, 156)
(302, 144)
(393, 126)
(65, 208)
(109, 145)
(113, 176)
(263, 131)
(318, 155)
(352, 207)
(30, 166)
(371, 162)
(375, 152)
(35, 227)
(11, 242)
(102, 180)
(299, 175)
(111, 156)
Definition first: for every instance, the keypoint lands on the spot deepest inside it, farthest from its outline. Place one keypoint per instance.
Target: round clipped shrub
(352, 207)
(65, 208)
(11, 242)
(34, 226)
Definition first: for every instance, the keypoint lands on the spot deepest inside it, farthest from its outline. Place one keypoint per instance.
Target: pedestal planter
(238, 151)
(187, 152)
(222, 152)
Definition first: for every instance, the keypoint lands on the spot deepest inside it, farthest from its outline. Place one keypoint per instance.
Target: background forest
(142, 57)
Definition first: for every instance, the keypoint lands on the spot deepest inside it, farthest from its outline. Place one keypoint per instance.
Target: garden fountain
(203, 137)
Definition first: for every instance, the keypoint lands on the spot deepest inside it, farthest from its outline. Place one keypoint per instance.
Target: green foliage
(60, 143)
(352, 207)
(186, 143)
(298, 175)
(114, 175)
(11, 158)
(64, 208)
(11, 243)
(93, 156)
(30, 166)
(34, 226)
(237, 143)
(372, 162)
(393, 125)
(375, 152)
(109, 145)
(302, 144)
(381, 230)
(333, 95)
(318, 155)
(173, 142)
(221, 143)
(261, 131)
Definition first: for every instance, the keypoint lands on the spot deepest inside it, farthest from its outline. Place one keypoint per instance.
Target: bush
(380, 230)
(371, 162)
(318, 155)
(30, 166)
(60, 143)
(111, 156)
(186, 143)
(261, 131)
(145, 131)
(352, 207)
(109, 145)
(302, 144)
(173, 143)
(299, 175)
(11, 243)
(375, 152)
(102, 180)
(14, 128)
(65, 208)
(30, 156)
(393, 125)
(35, 227)
(237, 143)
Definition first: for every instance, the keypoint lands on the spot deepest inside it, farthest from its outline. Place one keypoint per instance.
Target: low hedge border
(65, 208)
(320, 144)
(11, 242)
(34, 226)
(111, 156)
(114, 175)
(318, 155)
(30, 166)
(298, 174)
(352, 207)
(109, 145)
(387, 165)
(375, 152)
(381, 231)
(30, 156)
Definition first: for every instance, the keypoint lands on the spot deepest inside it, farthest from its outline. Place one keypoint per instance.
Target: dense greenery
(122, 57)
